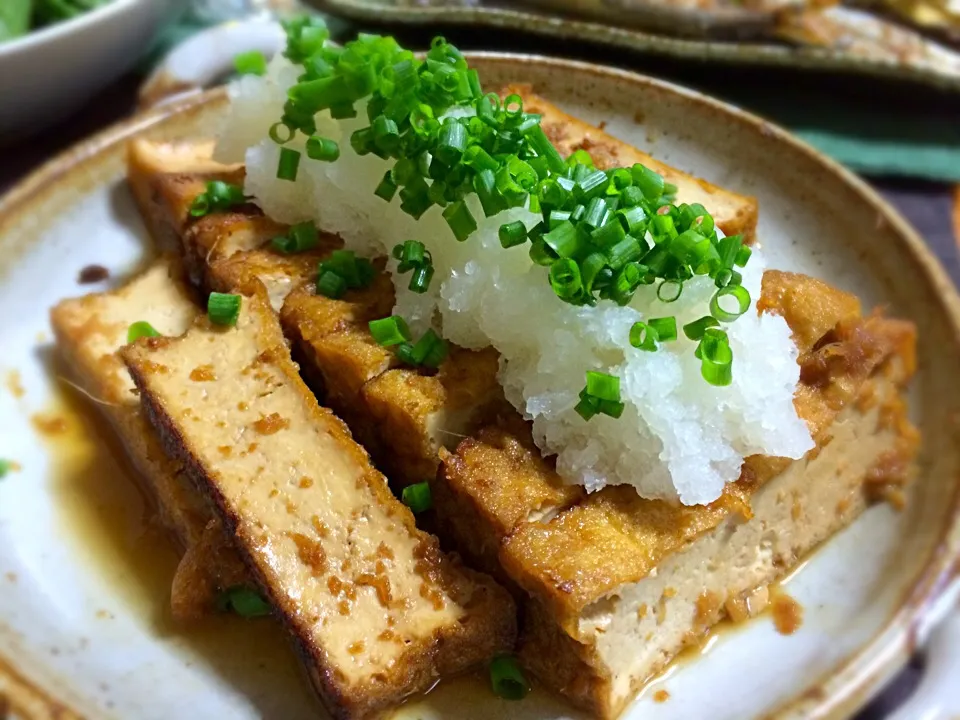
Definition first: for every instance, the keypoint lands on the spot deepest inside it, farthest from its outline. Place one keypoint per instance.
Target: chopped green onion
(738, 293)
(300, 238)
(281, 133)
(219, 197)
(507, 680)
(223, 309)
(695, 330)
(743, 255)
(544, 148)
(431, 350)
(405, 354)
(541, 254)
(460, 220)
(634, 220)
(353, 271)
(390, 331)
(588, 406)
(200, 206)
(411, 254)
(563, 239)
(723, 278)
(417, 497)
(625, 251)
(250, 63)
(224, 194)
(330, 284)
(513, 234)
(592, 185)
(727, 249)
(650, 183)
(644, 336)
(612, 409)
(139, 330)
(5, 466)
(386, 135)
(716, 359)
(664, 227)
(323, 149)
(666, 328)
(289, 164)
(387, 188)
(452, 143)
(244, 601)
(565, 278)
(669, 290)
(603, 386)
(420, 280)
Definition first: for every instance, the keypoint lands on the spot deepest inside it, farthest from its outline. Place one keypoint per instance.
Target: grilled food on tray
(684, 17)
(574, 355)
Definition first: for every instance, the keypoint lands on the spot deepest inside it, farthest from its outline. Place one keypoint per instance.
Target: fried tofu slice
(402, 416)
(166, 177)
(495, 481)
(223, 251)
(332, 343)
(419, 413)
(90, 331)
(217, 237)
(375, 609)
(618, 584)
(733, 213)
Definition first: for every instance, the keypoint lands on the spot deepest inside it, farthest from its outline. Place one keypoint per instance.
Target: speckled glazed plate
(835, 39)
(85, 576)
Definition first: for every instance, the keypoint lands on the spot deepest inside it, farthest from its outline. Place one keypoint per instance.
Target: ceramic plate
(85, 575)
(834, 39)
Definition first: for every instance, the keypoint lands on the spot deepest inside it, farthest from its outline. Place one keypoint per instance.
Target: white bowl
(46, 74)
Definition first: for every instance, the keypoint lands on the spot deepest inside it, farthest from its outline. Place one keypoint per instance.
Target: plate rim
(854, 680)
(529, 21)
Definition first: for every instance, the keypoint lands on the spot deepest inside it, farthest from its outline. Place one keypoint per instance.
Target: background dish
(84, 599)
(912, 57)
(46, 73)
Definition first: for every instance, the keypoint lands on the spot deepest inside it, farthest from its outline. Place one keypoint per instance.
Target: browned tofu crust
(332, 343)
(734, 214)
(495, 481)
(471, 618)
(418, 413)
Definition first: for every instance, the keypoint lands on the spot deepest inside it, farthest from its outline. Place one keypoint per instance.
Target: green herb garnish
(224, 309)
(600, 396)
(602, 234)
(250, 63)
(300, 238)
(343, 271)
(219, 197)
(244, 601)
(417, 497)
(139, 330)
(507, 679)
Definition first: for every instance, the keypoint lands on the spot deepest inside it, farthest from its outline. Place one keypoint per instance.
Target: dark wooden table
(926, 205)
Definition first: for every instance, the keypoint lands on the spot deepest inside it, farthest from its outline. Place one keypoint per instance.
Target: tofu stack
(609, 587)
(375, 609)
(260, 485)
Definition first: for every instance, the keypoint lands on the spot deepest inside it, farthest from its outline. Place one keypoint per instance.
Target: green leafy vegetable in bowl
(18, 17)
